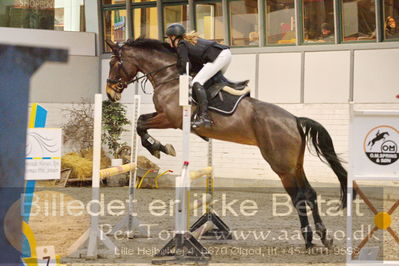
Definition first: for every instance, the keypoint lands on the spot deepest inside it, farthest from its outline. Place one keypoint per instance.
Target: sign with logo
(381, 145)
(374, 144)
(43, 154)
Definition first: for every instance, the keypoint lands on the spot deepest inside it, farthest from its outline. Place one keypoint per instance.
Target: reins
(143, 83)
(144, 78)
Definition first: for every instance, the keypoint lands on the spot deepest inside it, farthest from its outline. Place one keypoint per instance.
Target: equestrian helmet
(175, 29)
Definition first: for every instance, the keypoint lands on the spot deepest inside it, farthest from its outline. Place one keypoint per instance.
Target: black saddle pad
(224, 102)
(220, 100)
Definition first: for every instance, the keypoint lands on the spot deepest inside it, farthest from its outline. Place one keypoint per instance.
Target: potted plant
(114, 121)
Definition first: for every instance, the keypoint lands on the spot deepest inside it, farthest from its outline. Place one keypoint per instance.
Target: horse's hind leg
(299, 200)
(311, 197)
(156, 121)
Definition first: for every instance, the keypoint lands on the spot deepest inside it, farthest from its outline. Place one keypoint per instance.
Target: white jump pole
(94, 233)
(129, 221)
(183, 247)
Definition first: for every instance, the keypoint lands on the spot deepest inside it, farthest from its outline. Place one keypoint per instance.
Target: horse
(379, 136)
(280, 136)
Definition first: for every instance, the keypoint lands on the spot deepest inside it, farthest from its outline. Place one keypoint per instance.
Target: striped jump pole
(116, 170)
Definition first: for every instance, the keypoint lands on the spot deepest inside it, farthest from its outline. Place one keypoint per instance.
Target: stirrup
(202, 122)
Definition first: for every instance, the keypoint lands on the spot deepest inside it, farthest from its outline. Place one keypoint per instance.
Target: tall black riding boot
(202, 118)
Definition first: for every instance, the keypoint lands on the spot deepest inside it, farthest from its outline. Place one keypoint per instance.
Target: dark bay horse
(280, 136)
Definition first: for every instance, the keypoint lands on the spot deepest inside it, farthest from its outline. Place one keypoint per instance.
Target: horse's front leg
(149, 121)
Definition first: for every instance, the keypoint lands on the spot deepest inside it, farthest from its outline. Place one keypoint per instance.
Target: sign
(381, 145)
(374, 144)
(43, 153)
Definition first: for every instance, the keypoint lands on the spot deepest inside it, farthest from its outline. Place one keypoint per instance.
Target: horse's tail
(324, 147)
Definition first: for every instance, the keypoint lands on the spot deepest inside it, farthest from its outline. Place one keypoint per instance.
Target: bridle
(123, 84)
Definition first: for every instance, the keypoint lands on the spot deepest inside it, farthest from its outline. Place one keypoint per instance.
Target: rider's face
(173, 40)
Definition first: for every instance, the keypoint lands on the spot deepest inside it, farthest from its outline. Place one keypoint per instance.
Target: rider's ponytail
(191, 37)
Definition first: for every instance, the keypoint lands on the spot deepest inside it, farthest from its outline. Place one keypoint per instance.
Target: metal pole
(129, 18)
(225, 22)
(261, 28)
(191, 15)
(160, 19)
(298, 25)
(336, 22)
(378, 19)
(210, 179)
(133, 159)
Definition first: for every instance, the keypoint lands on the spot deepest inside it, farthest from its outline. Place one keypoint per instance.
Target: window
(66, 15)
(145, 22)
(280, 22)
(209, 21)
(358, 20)
(114, 26)
(318, 21)
(391, 19)
(244, 22)
(175, 14)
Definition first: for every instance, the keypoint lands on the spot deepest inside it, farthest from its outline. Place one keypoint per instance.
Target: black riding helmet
(175, 29)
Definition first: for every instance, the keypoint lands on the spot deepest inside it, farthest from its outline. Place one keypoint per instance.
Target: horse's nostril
(110, 97)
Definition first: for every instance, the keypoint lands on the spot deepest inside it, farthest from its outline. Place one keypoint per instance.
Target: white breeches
(221, 63)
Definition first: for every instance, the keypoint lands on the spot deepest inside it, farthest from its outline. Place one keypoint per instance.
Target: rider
(208, 56)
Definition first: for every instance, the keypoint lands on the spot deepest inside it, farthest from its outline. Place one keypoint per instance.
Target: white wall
(376, 77)
(243, 67)
(78, 43)
(66, 83)
(280, 77)
(55, 82)
(327, 77)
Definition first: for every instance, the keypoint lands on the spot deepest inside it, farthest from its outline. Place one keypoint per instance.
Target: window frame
(227, 16)
(202, 2)
(262, 17)
(265, 42)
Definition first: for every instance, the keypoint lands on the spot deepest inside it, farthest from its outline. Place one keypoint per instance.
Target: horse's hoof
(308, 246)
(157, 154)
(328, 242)
(170, 150)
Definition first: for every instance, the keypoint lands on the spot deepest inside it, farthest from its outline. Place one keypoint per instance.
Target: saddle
(224, 95)
(218, 82)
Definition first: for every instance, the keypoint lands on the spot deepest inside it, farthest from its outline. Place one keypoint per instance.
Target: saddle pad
(224, 102)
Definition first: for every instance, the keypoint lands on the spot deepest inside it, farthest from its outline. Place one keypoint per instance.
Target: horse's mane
(151, 44)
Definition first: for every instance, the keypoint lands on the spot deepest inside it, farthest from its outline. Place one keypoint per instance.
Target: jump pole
(95, 231)
(129, 221)
(183, 247)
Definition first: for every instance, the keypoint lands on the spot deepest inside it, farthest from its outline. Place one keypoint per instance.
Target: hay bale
(81, 167)
(144, 163)
(105, 161)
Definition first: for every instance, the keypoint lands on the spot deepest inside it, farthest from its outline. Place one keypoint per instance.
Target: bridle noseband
(123, 84)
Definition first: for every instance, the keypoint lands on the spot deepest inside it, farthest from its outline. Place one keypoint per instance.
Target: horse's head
(121, 72)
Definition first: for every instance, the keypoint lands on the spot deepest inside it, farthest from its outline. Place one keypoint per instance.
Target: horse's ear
(114, 47)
